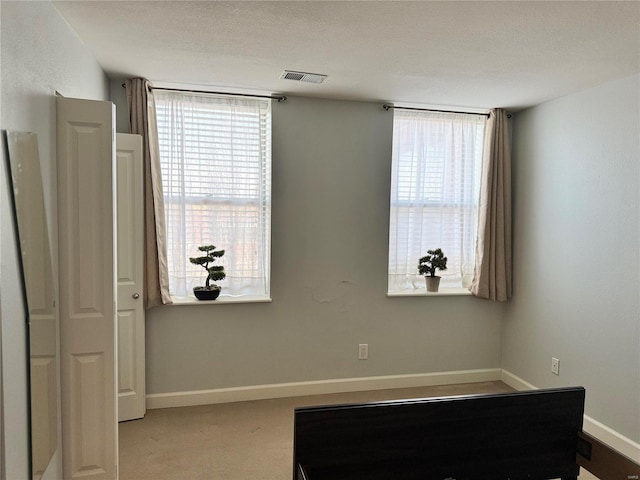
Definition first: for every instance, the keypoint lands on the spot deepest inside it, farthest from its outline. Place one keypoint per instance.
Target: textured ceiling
(472, 54)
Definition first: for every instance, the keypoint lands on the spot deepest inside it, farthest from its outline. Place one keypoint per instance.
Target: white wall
(331, 181)
(39, 54)
(576, 244)
(118, 95)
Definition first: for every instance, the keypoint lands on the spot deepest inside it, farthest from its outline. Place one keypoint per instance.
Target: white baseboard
(605, 434)
(298, 389)
(516, 382)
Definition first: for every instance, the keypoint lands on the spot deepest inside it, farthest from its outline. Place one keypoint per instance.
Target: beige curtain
(493, 276)
(142, 115)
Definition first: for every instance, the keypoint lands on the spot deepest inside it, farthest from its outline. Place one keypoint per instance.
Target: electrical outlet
(363, 351)
(555, 366)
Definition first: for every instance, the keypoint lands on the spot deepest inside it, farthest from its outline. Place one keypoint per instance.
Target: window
(215, 155)
(435, 186)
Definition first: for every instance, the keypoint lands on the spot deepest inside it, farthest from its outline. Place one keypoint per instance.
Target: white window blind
(215, 155)
(435, 186)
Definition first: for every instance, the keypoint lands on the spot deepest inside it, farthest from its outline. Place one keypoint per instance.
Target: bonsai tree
(434, 260)
(215, 272)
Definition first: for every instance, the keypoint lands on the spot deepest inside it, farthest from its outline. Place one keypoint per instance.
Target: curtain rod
(279, 98)
(387, 106)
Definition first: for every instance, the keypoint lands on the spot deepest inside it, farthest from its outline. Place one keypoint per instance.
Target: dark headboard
(522, 435)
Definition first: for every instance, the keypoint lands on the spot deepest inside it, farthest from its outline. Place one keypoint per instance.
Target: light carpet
(243, 440)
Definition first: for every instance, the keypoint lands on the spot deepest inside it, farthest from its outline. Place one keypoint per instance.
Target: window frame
(261, 201)
(402, 279)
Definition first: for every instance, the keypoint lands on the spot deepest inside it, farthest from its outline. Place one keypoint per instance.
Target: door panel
(85, 138)
(131, 376)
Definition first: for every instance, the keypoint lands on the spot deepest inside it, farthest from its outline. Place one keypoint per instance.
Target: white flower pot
(432, 283)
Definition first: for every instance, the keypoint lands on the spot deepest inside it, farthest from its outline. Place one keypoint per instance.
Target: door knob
(136, 296)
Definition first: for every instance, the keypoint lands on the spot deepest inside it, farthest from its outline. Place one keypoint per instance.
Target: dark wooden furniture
(605, 462)
(528, 435)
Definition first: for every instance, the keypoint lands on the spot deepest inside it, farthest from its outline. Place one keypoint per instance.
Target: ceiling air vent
(303, 77)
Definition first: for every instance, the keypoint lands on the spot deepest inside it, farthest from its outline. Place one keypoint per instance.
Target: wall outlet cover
(555, 366)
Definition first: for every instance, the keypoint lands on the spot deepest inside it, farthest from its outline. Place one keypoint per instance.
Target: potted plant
(427, 266)
(215, 272)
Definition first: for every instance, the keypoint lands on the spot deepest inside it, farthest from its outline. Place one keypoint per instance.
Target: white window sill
(421, 292)
(221, 300)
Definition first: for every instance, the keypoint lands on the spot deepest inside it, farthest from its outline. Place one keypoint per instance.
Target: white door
(131, 382)
(86, 242)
